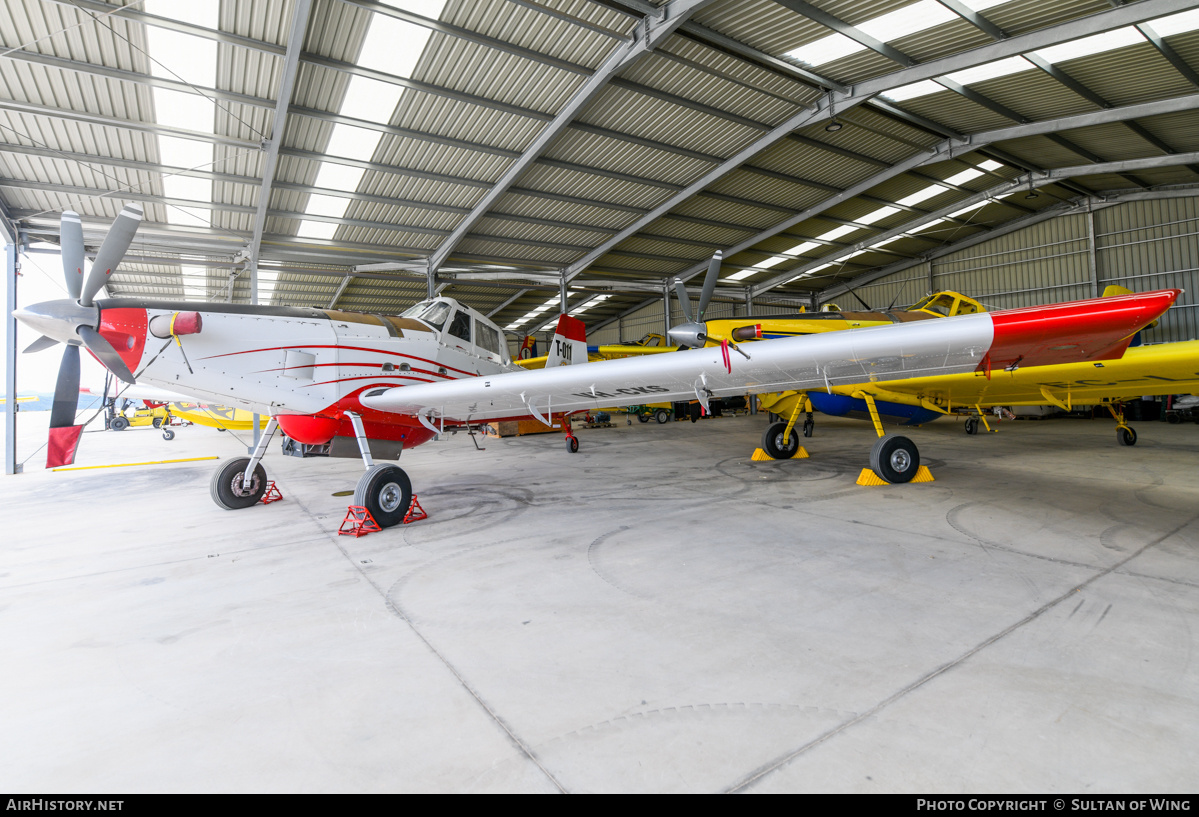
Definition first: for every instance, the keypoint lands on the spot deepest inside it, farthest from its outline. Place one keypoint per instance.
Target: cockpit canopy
(462, 325)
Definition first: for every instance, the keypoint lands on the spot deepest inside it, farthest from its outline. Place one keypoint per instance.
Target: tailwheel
(572, 444)
(386, 492)
(774, 445)
(228, 485)
(167, 434)
(971, 425)
(895, 459)
(1126, 435)
(809, 425)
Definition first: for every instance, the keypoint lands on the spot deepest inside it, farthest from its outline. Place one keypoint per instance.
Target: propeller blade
(116, 243)
(104, 350)
(66, 390)
(70, 235)
(41, 343)
(705, 294)
(684, 300)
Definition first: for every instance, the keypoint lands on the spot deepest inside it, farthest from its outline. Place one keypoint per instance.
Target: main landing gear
(384, 489)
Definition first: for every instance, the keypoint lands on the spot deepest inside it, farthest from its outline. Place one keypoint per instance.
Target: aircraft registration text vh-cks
(376, 385)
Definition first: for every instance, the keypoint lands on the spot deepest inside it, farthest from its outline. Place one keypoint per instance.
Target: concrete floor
(655, 613)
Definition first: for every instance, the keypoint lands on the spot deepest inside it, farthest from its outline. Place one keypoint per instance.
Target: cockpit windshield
(433, 313)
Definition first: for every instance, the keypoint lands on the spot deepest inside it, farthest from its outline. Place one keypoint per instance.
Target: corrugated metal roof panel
(538, 207)
(606, 153)
(955, 112)
(1128, 75)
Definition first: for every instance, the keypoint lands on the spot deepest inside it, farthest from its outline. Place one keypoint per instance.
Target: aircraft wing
(1094, 330)
(1163, 368)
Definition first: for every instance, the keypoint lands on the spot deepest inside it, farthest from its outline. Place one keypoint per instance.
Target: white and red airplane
(372, 386)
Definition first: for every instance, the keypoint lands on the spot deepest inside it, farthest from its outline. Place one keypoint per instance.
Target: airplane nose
(59, 320)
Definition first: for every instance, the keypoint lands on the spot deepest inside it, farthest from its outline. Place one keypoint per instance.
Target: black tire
(772, 442)
(693, 412)
(157, 422)
(662, 416)
(643, 418)
(971, 426)
(572, 444)
(895, 459)
(226, 486)
(1125, 435)
(119, 423)
(808, 427)
(386, 492)
(167, 434)
(1173, 419)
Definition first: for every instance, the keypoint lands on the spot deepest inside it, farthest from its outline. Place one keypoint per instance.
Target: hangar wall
(1141, 245)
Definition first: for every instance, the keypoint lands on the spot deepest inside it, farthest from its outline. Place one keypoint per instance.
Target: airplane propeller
(694, 333)
(76, 321)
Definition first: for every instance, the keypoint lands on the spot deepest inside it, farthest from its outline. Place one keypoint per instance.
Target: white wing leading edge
(918, 349)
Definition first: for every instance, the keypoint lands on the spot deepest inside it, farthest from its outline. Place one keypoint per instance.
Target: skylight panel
(932, 223)
(353, 143)
(194, 282)
(317, 229)
(967, 209)
(392, 46)
(965, 176)
(425, 8)
(826, 49)
(991, 164)
(908, 20)
(371, 100)
(319, 205)
(916, 89)
(800, 249)
(877, 215)
(179, 109)
(204, 13)
(837, 232)
(1095, 44)
(338, 177)
(1176, 23)
(178, 56)
(991, 70)
(266, 285)
(921, 195)
(187, 187)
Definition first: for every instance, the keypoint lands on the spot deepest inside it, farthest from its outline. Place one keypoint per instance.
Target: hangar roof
(346, 147)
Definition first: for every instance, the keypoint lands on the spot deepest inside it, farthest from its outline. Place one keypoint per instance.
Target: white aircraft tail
(569, 345)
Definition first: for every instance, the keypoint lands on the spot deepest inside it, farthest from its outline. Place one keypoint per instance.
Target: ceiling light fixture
(833, 126)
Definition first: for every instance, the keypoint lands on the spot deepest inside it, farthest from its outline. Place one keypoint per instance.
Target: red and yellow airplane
(374, 386)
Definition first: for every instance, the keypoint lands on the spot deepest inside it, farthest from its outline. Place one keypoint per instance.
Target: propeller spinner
(76, 322)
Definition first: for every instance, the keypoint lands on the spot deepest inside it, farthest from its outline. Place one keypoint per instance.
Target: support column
(1092, 261)
(666, 310)
(10, 378)
(561, 292)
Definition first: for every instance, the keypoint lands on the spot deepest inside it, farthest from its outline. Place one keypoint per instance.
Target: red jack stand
(361, 521)
(271, 494)
(415, 512)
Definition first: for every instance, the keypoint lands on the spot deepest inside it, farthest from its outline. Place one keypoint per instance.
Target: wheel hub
(901, 460)
(390, 497)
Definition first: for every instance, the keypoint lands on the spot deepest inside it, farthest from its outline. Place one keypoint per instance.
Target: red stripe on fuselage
(1097, 329)
(303, 346)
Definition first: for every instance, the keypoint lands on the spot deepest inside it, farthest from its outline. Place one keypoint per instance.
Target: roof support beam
(648, 36)
(956, 147)
(1180, 65)
(1014, 185)
(1083, 204)
(287, 82)
(1093, 24)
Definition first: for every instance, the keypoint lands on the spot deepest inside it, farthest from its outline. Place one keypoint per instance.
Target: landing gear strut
(384, 489)
(893, 458)
(1125, 434)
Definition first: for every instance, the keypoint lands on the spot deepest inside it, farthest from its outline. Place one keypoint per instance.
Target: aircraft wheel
(167, 434)
(572, 444)
(119, 423)
(693, 412)
(808, 427)
(971, 425)
(644, 418)
(895, 459)
(1173, 419)
(772, 442)
(226, 486)
(1126, 435)
(661, 415)
(386, 492)
(157, 423)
